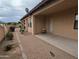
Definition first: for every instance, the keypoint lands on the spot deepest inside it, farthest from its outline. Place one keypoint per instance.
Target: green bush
(12, 29)
(22, 31)
(8, 48)
(9, 36)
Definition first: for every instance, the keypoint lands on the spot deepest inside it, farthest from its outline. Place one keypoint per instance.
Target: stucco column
(26, 25)
(33, 25)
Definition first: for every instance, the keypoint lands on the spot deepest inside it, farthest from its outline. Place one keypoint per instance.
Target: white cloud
(1, 17)
(16, 3)
(13, 8)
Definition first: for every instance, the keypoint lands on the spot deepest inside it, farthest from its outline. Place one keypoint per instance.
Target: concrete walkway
(34, 48)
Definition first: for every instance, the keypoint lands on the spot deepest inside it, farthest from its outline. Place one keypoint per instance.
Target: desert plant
(12, 29)
(9, 36)
(8, 48)
(22, 31)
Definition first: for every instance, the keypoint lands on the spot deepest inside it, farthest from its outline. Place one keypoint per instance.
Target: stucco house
(58, 17)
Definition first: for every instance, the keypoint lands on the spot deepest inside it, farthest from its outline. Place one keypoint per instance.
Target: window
(30, 23)
(76, 22)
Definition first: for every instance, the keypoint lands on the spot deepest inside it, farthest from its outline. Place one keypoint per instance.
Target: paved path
(34, 48)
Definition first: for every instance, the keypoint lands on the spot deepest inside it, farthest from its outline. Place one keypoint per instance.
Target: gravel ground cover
(14, 53)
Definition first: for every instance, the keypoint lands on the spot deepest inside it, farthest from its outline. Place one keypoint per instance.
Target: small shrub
(19, 26)
(12, 29)
(9, 36)
(22, 31)
(8, 48)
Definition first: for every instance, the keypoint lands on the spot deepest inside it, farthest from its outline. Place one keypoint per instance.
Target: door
(49, 25)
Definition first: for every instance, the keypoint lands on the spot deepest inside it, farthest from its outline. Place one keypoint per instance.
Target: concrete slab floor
(68, 45)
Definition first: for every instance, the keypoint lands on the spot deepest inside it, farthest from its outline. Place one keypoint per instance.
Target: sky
(14, 10)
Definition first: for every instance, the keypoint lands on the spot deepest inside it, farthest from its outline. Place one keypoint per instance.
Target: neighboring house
(57, 17)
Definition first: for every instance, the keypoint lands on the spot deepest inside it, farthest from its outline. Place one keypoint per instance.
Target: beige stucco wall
(60, 23)
(29, 30)
(1, 33)
(63, 24)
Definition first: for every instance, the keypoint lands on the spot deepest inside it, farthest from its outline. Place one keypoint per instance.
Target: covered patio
(58, 22)
(58, 19)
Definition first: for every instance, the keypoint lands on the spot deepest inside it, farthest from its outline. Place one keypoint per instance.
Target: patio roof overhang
(58, 7)
(46, 7)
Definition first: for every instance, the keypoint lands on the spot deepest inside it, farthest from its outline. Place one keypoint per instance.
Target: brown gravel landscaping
(14, 53)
